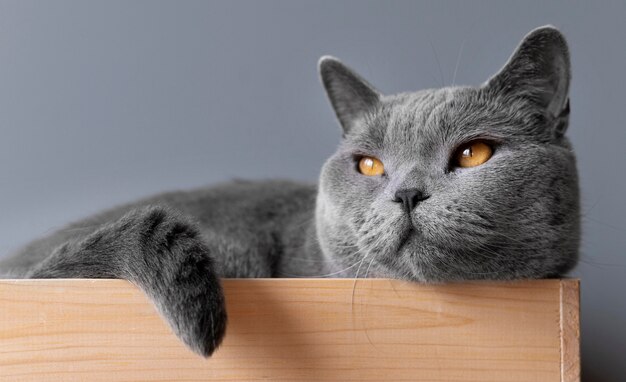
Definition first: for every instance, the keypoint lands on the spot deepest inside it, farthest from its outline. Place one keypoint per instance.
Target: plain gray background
(104, 102)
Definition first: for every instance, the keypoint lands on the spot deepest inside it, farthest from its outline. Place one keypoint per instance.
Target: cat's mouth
(406, 236)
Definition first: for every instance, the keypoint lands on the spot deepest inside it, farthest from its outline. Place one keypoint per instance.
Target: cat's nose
(409, 198)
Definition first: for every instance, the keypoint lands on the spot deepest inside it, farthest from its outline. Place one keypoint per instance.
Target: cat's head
(455, 183)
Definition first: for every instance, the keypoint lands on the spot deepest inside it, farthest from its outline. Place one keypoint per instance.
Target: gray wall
(103, 102)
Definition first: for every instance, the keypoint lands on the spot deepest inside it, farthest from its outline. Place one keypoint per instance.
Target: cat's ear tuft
(539, 70)
(349, 94)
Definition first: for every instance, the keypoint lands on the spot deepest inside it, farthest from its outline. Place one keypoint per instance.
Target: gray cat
(459, 183)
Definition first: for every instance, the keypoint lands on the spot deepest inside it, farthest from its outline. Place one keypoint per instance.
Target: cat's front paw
(176, 269)
(194, 306)
(199, 319)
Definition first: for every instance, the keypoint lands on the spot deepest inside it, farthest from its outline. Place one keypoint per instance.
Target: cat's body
(439, 185)
(260, 225)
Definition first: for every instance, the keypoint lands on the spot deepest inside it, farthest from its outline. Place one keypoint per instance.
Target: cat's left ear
(539, 70)
(349, 94)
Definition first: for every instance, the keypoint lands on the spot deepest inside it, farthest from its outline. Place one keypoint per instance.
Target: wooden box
(297, 330)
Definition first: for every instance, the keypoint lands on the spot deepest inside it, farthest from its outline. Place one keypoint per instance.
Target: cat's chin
(429, 264)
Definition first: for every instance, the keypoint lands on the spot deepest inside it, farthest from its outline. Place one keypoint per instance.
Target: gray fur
(515, 216)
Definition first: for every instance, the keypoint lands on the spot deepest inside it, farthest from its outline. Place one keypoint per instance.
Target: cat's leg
(162, 253)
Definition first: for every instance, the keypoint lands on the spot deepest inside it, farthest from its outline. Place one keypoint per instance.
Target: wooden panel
(305, 329)
(570, 331)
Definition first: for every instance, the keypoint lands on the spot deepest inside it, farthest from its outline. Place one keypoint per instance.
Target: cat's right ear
(349, 94)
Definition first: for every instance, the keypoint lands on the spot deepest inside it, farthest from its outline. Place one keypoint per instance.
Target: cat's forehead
(428, 120)
(413, 117)
(423, 118)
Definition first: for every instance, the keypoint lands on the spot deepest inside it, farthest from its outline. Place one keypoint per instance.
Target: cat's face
(424, 213)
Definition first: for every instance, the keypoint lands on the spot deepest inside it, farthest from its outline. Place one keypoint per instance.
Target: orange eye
(371, 166)
(473, 154)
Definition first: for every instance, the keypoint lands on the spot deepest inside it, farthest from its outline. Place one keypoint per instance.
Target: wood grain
(287, 329)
